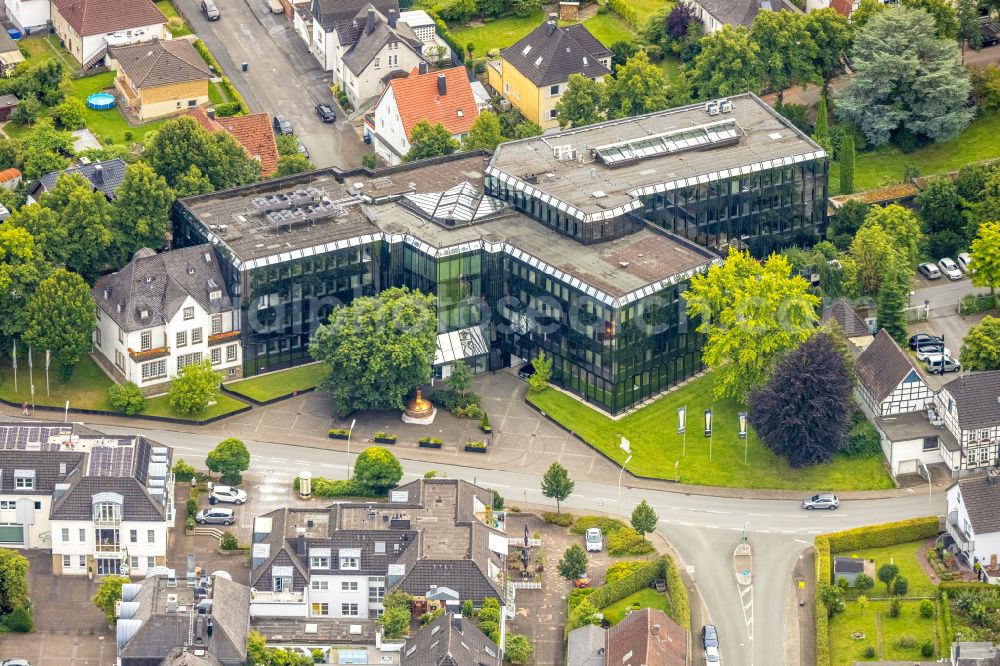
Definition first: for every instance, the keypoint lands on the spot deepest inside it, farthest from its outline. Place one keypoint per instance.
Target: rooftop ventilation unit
(598, 194)
(712, 108)
(725, 106)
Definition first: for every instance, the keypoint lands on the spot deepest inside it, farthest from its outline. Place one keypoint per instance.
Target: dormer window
(350, 558)
(24, 479)
(215, 295)
(144, 314)
(460, 113)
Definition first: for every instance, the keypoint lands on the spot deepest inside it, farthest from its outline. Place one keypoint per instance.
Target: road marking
(736, 529)
(605, 499)
(760, 515)
(184, 448)
(788, 531)
(688, 524)
(303, 462)
(763, 531)
(714, 511)
(712, 527)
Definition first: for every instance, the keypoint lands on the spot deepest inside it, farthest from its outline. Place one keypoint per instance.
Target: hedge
(629, 14)
(207, 56)
(227, 85)
(641, 578)
(680, 605)
(947, 632)
(323, 487)
(822, 632)
(608, 526)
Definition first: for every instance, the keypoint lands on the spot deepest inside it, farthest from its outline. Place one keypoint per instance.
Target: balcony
(220, 338)
(107, 547)
(962, 540)
(149, 354)
(267, 597)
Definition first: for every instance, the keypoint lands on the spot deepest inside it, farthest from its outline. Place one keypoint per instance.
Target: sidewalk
(522, 440)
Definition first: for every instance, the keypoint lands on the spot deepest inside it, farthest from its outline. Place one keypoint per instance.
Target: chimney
(442, 85)
(551, 23)
(208, 627)
(301, 546)
(392, 18)
(370, 22)
(99, 174)
(656, 630)
(211, 113)
(422, 68)
(456, 622)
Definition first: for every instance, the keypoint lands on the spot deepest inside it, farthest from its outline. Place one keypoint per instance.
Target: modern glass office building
(580, 244)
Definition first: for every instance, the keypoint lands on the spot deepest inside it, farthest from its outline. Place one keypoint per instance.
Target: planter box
(476, 449)
(487, 429)
(430, 445)
(337, 436)
(385, 440)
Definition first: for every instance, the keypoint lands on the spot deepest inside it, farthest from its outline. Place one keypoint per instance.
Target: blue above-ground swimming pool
(101, 101)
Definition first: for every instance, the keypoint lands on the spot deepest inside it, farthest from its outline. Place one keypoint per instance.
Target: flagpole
(13, 360)
(48, 356)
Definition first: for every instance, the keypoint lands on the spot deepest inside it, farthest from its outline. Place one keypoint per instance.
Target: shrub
(430, 440)
(183, 471)
(906, 642)
(189, 524)
(227, 109)
(175, 24)
(560, 519)
(385, 435)
(843, 584)
(497, 500)
(608, 526)
(126, 398)
(619, 570)
(339, 432)
(192, 506)
(869, 652)
(926, 609)
(862, 439)
(467, 608)
(484, 423)
(927, 649)
(228, 541)
(323, 487)
(628, 542)
(895, 608)
(430, 474)
(19, 621)
(900, 586)
(680, 605)
(476, 445)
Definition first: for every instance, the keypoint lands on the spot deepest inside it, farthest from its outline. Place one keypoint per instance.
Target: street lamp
(708, 432)
(682, 428)
(349, 433)
(620, 483)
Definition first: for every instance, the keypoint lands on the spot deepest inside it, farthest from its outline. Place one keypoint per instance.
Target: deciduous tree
(584, 102)
(460, 380)
(887, 573)
(893, 296)
(845, 223)
(293, 164)
(21, 269)
(84, 216)
(942, 13)
(644, 518)
(969, 31)
(905, 79)
(484, 133)
(230, 458)
(985, 253)
(378, 349)
(378, 469)
(870, 251)
(109, 592)
(428, 140)
(573, 564)
(194, 387)
(981, 346)
(70, 113)
(787, 50)
(192, 182)
(751, 315)
(60, 315)
(141, 212)
(729, 63)
(556, 484)
(539, 379)
(13, 580)
(903, 229)
(804, 410)
(182, 142)
(638, 88)
(832, 36)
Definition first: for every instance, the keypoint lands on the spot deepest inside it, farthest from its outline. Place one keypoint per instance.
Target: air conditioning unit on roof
(712, 108)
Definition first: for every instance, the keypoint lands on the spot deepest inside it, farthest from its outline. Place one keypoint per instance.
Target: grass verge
(656, 445)
(647, 598)
(904, 556)
(170, 12)
(277, 384)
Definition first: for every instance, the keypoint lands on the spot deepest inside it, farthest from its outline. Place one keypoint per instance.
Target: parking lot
(283, 78)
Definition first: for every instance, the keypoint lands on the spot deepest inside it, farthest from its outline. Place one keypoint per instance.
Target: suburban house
(842, 7)
(443, 97)
(974, 522)
(970, 408)
(10, 55)
(102, 503)
(438, 540)
(8, 103)
(253, 132)
(160, 78)
(644, 637)
(889, 381)
(89, 27)
(28, 15)
(451, 639)
(716, 13)
(425, 29)
(159, 620)
(855, 328)
(533, 73)
(10, 178)
(366, 49)
(105, 176)
(162, 313)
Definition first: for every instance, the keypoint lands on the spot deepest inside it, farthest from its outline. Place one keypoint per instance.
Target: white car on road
(227, 494)
(950, 269)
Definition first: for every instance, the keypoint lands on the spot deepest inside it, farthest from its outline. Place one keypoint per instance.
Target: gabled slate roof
(450, 640)
(647, 637)
(48, 466)
(96, 17)
(847, 318)
(77, 502)
(977, 399)
(375, 32)
(549, 54)
(158, 284)
(158, 63)
(462, 576)
(982, 502)
(883, 365)
(331, 12)
(743, 12)
(108, 178)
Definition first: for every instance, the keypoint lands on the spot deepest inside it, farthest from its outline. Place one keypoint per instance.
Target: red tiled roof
(9, 174)
(254, 133)
(96, 17)
(842, 7)
(417, 99)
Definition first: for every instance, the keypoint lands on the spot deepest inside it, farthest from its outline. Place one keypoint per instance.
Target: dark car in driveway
(282, 125)
(210, 10)
(924, 339)
(325, 113)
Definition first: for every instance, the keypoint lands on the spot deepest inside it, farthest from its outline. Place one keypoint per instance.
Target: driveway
(283, 77)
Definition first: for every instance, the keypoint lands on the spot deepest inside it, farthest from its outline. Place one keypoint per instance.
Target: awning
(464, 343)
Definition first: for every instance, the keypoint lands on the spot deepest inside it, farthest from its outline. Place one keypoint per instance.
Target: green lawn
(110, 123)
(216, 94)
(609, 28)
(276, 384)
(43, 49)
(909, 623)
(646, 598)
(844, 650)
(647, 8)
(169, 11)
(884, 165)
(500, 33)
(904, 556)
(86, 389)
(656, 445)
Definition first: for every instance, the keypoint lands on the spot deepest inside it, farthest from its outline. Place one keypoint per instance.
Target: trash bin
(246, 65)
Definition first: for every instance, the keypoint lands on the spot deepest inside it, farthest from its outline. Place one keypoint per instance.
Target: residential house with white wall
(102, 503)
(970, 408)
(889, 381)
(436, 539)
(89, 27)
(425, 29)
(443, 97)
(163, 312)
(716, 13)
(28, 15)
(974, 522)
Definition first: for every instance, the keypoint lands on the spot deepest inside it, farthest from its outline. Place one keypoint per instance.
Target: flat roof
(915, 425)
(654, 152)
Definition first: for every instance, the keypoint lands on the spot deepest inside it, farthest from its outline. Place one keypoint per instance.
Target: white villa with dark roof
(102, 503)
(163, 312)
(973, 522)
(970, 408)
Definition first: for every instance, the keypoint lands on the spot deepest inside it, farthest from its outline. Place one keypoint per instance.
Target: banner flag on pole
(13, 355)
(681, 420)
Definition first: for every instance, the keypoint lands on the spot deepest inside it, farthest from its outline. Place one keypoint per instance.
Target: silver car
(821, 501)
(227, 494)
(215, 516)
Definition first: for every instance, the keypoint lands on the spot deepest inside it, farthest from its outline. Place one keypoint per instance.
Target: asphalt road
(703, 530)
(283, 77)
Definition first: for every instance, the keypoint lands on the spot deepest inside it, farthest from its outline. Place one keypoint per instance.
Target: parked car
(990, 33)
(927, 351)
(301, 147)
(929, 270)
(594, 541)
(210, 11)
(938, 365)
(581, 582)
(15, 662)
(950, 269)
(709, 636)
(712, 656)
(923, 339)
(965, 263)
(325, 112)
(227, 494)
(526, 370)
(283, 125)
(215, 516)
(821, 501)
